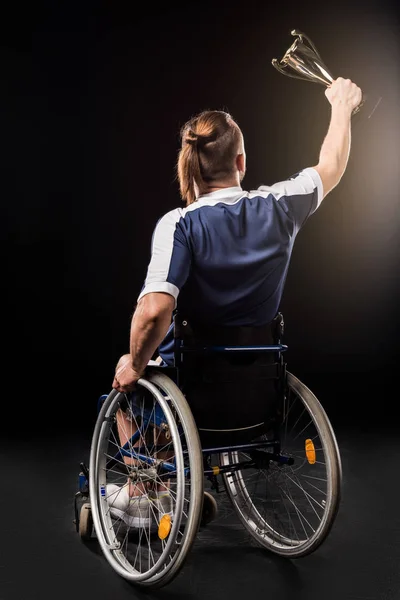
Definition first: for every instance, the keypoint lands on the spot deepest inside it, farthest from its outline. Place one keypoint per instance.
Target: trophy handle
(303, 35)
(277, 66)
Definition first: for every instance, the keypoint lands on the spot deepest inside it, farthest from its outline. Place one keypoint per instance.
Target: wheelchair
(230, 412)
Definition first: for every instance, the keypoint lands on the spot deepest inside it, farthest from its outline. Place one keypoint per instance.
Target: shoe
(162, 504)
(135, 511)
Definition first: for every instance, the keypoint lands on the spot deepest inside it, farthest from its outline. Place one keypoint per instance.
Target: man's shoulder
(170, 217)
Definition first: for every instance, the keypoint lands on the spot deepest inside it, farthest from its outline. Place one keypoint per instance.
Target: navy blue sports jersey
(225, 257)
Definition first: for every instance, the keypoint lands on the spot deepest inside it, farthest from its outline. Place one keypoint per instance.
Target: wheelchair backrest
(231, 376)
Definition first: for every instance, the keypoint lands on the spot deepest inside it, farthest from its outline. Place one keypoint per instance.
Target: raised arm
(344, 96)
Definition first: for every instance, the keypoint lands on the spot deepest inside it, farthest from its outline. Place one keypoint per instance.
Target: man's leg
(127, 428)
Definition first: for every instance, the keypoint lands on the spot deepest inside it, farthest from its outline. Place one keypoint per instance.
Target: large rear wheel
(147, 546)
(289, 507)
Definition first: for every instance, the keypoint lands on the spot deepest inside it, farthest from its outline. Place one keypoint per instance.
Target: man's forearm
(147, 332)
(334, 153)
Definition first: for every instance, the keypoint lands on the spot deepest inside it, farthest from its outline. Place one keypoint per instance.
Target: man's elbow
(330, 177)
(156, 306)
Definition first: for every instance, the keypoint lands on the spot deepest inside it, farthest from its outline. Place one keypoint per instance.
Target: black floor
(43, 558)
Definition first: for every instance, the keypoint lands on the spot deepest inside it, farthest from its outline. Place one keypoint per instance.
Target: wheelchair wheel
(148, 550)
(85, 522)
(210, 509)
(290, 508)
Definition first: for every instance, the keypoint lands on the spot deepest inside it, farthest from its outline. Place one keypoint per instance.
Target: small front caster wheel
(85, 522)
(210, 509)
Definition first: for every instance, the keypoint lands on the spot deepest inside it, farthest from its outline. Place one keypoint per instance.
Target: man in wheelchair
(205, 377)
(230, 383)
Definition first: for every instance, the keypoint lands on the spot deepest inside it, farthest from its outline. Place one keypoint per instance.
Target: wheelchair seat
(231, 377)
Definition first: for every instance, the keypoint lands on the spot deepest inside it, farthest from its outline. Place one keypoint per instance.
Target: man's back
(225, 257)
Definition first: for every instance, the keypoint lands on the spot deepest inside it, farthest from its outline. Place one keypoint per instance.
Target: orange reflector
(164, 527)
(215, 470)
(310, 452)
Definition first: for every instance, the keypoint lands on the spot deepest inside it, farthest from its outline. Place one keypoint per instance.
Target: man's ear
(241, 163)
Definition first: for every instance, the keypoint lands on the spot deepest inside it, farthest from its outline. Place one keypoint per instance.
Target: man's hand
(343, 92)
(125, 376)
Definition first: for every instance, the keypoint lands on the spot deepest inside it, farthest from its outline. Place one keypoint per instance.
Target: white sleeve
(300, 195)
(170, 258)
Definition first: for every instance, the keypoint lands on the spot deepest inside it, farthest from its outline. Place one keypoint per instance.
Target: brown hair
(210, 143)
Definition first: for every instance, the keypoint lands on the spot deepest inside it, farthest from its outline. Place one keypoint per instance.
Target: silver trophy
(303, 61)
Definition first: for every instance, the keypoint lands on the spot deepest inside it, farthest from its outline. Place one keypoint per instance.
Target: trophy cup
(302, 61)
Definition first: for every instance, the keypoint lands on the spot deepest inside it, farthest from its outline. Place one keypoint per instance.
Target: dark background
(94, 98)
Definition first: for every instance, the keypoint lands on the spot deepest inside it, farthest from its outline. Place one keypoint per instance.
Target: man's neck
(215, 187)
